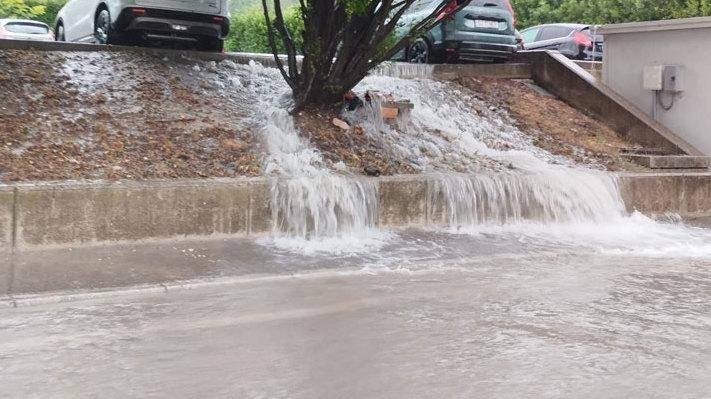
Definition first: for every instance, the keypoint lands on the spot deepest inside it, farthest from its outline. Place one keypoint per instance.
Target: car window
(529, 35)
(26, 27)
(554, 32)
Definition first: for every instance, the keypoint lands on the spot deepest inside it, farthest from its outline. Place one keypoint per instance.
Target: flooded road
(521, 320)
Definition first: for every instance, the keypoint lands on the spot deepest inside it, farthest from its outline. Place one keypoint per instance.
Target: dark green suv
(484, 30)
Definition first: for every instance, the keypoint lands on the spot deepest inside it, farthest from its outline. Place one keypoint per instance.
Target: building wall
(628, 52)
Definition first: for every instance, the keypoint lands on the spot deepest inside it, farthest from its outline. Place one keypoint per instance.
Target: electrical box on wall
(671, 78)
(663, 78)
(653, 77)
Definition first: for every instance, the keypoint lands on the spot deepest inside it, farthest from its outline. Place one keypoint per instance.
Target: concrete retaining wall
(562, 77)
(631, 47)
(440, 71)
(688, 195)
(86, 213)
(34, 216)
(7, 202)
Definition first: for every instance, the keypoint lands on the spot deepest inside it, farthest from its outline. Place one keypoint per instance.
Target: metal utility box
(652, 77)
(672, 78)
(662, 78)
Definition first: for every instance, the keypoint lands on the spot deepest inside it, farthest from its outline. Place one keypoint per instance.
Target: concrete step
(670, 161)
(509, 70)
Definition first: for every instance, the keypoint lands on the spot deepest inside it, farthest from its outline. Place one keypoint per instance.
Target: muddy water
(495, 313)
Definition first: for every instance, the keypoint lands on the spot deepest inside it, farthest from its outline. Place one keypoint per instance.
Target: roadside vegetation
(40, 10)
(536, 12)
(248, 30)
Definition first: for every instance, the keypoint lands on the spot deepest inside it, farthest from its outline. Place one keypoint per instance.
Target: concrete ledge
(83, 47)
(652, 26)
(502, 71)
(687, 194)
(403, 201)
(594, 68)
(7, 201)
(562, 77)
(88, 213)
(670, 161)
(441, 71)
(43, 215)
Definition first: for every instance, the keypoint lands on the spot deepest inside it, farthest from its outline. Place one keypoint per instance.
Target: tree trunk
(343, 40)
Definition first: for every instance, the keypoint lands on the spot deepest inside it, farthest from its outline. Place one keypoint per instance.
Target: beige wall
(684, 43)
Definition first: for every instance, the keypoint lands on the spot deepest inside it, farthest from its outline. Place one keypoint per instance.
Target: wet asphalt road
(522, 322)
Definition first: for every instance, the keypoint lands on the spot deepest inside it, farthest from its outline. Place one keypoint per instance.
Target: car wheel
(102, 28)
(419, 52)
(59, 33)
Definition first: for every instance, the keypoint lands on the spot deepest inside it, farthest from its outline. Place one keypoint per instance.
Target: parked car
(481, 31)
(202, 23)
(25, 29)
(575, 41)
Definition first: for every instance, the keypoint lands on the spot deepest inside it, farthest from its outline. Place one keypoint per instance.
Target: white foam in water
(561, 195)
(404, 70)
(634, 235)
(312, 207)
(507, 185)
(324, 206)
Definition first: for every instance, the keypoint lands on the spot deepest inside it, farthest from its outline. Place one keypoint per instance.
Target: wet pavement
(423, 315)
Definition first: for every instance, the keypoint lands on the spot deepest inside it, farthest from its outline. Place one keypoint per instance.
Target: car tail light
(218, 19)
(138, 10)
(448, 10)
(582, 39)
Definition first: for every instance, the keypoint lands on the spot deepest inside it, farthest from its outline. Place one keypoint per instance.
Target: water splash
(559, 196)
(449, 129)
(324, 206)
(506, 186)
(404, 70)
(309, 201)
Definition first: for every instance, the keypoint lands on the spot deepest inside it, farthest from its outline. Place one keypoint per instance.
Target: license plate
(483, 23)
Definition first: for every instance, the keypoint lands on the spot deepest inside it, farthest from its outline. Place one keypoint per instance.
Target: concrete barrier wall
(562, 77)
(86, 213)
(73, 214)
(688, 195)
(440, 71)
(7, 202)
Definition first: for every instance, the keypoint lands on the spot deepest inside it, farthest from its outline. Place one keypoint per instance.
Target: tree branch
(289, 46)
(272, 43)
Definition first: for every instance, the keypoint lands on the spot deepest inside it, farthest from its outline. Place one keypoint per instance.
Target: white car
(24, 29)
(204, 23)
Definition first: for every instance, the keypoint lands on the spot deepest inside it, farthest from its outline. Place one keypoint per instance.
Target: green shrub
(248, 32)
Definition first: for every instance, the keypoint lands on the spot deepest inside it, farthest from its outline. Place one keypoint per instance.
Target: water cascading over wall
(501, 178)
(510, 198)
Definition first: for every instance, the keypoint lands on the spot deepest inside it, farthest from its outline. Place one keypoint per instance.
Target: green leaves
(20, 9)
(248, 31)
(40, 10)
(536, 12)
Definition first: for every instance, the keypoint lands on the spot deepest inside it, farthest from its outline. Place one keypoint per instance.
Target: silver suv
(202, 23)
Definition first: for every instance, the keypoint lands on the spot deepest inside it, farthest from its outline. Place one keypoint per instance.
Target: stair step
(670, 161)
